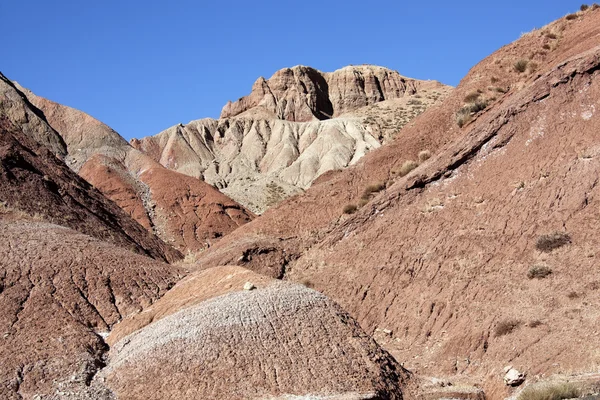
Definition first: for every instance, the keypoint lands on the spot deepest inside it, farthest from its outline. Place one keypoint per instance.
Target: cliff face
(305, 94)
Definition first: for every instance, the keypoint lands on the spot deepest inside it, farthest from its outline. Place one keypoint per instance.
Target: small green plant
(538, 272)
(507, 326)
(350, 209)
(558, 391)
(571, 17)
(549, 242)
(407, 167)
(521, 65)
(424, 155)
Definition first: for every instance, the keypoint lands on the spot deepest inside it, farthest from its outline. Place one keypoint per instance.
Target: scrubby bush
(584, 7)
(521, 65)
(549, 242)
(538, 272)
(571, 16)
(507, 326)
(558, 391)
(471, 97)
(374, 188)
(546, 46)
(424, 155)
(350, 208)
(407, 167)
(551, 35)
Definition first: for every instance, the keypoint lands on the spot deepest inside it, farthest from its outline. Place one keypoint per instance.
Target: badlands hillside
(472, 236)
(291, 129)
(438, 243)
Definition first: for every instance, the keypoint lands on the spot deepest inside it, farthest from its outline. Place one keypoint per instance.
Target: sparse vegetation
(546, 46)
(471, 97)
(507, 326)
(584, 7)
(551, 35)
(535, 323)
(424, 155)
(573, 295)
(407, 167)
(558, 391)
(532, 67)
(549, 242)
(363, 201)
(493, 79)
(500, 90)
(374, 188)
(538, 272)
(571, 17)
(465, 114)
(350, 209)
(521, 65)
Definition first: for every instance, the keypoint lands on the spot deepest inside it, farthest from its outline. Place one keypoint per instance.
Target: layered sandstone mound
(60, 294)
(453, 258)
(34, 182)
(305, 94)
(261, 157)
(278, 340)
(185, 212)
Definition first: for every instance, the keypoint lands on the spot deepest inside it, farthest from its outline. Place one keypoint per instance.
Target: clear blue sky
(142, 66)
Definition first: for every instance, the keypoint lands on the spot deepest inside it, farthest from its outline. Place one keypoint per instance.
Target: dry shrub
(507, 326)
(549, 242)
(584, 7)
(363, 201)
(538, 272)
(535, 323)
(407, 167)
(558, 391)
(521, 65)
(546, 46)
(471, 97)
(571, 16)
(350, 209)
(374, 188)
(551, 35)
(424, 155)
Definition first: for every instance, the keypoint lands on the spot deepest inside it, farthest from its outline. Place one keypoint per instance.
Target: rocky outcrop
(263, 156)
(219, 341)
(60, 294)
(36, 183)
(305, 94)
(442, 257)
(187, 213)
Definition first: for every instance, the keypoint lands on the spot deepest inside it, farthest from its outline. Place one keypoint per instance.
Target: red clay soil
(35, 182)
(442, 256)
(187, 213)
(60, 293)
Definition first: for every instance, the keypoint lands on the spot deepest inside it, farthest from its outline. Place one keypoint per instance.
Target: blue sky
(142, 66)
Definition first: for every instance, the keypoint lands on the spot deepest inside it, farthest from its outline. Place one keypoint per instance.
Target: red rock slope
(60, 294)
(443, 256)
(33, 181)
(185, 212)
